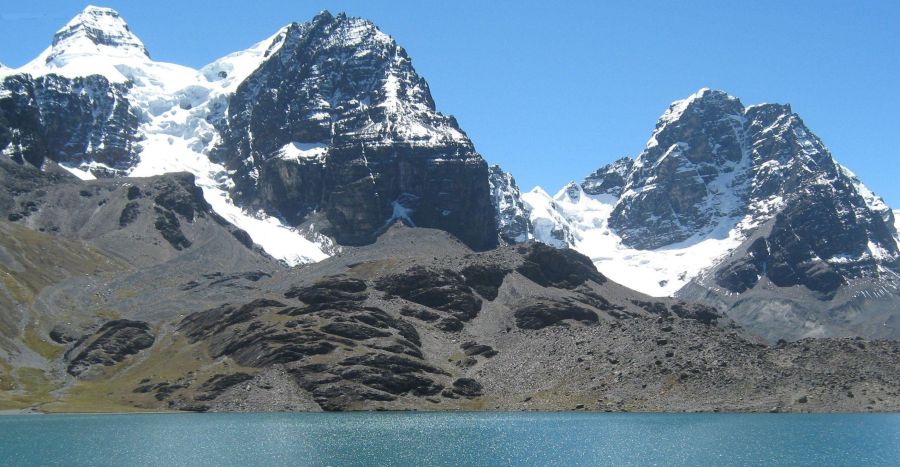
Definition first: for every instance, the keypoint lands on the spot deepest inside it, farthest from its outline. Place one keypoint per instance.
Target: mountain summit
(97, 30)
(728, 200)
(97, 41)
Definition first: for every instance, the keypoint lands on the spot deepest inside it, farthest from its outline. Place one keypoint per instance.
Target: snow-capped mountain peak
(98, 29)
(98, 41)
(713, 175)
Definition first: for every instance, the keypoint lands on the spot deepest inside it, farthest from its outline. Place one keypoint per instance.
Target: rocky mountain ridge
(318, 136)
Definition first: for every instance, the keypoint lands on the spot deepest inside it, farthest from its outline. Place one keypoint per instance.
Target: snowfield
(659, 273)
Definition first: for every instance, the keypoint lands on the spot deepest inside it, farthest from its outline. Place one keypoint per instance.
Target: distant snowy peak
(92, 43)
(550, 223)
(378, 79)
(97, 30)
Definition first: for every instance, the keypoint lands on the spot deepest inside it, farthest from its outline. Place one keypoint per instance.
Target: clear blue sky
(553, 90)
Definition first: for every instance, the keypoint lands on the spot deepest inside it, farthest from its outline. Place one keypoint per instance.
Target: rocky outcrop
(441, 290)
(552, 267)
(110, 344)
(610, 179)
(546, 313)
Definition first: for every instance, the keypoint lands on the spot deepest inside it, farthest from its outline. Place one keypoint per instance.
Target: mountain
(336, 126)
(319, 136)
(742, 207)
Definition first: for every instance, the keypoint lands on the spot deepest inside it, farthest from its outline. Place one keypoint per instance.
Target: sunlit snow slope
(659, 272)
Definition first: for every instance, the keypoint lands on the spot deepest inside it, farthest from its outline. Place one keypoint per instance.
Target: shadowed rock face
(551, 267)
(110, 344)
(383, 148)
(70, 121)
(442, 290)
(610, 179)
(546, 313)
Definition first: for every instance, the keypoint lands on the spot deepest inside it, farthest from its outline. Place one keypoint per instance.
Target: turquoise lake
(451, 439)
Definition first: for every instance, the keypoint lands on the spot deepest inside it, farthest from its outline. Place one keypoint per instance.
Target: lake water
(451, 439)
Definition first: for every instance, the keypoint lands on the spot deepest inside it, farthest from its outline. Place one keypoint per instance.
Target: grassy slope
(30, 261)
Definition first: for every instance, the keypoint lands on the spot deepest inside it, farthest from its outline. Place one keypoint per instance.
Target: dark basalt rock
(744, 273)
(467, 387)
(392, 363)
(207, 323)
(170, 228)
(561, 268)
(658, 308)
(485, 279)
(110, 344)
(610, 179)
(472, 349)
(697, 312)
(220, 382)
(545, 313)
(353, 331)
(129, 213)
(134, 192)
(62, 334)
(366, 378)
(450, 324)
(330, 290)
(439, 289)
(420, 313)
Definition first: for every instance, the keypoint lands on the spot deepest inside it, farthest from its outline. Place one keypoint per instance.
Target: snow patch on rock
(295, 151)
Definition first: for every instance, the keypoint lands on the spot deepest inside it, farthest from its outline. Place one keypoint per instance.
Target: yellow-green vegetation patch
(32, 387)
(19, 293)
(41, 259)
(36, 341)
(109, 315)
(7, 383)
(127, 293)
(170, 359)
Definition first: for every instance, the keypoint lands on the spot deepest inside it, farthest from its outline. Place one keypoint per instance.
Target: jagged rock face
(513, 223)
(609, 179)
(683, 181)
(70, 121)
(819, 241)
(336, 120)
(712, 161)
(110, 344)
